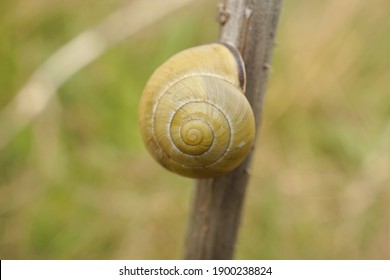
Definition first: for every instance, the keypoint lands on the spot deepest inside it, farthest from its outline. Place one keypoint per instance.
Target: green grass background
(78, 184)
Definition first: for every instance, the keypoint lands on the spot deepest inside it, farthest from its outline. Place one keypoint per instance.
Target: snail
(194, 117)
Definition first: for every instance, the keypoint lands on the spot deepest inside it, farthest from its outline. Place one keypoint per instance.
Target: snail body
(194, 117)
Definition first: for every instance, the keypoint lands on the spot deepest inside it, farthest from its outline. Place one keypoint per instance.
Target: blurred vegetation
(78, 184)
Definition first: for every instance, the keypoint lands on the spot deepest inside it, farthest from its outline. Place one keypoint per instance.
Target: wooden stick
(216, 212)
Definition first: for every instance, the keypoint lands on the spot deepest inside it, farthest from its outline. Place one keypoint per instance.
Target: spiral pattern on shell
(194, 117)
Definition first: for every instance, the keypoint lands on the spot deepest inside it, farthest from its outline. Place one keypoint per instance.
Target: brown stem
(216, 211)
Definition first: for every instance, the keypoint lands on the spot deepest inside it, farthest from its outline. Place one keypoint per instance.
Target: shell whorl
(194, 117)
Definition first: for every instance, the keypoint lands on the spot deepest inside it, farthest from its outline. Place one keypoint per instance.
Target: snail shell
(194, 117)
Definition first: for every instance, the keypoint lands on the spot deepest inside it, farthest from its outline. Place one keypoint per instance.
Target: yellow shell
(194, 118)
